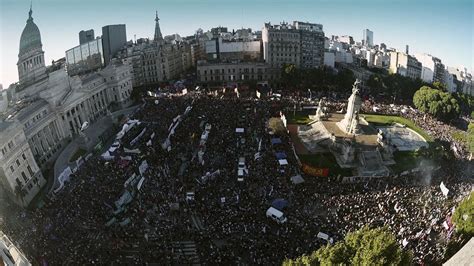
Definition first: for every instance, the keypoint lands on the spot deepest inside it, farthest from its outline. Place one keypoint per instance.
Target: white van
(276, 215)
(240, 175)
(241, 163)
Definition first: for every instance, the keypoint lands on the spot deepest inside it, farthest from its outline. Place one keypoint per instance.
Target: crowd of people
(191, 205)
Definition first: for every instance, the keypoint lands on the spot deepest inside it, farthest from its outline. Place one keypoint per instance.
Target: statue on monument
(320, 114)
(350, 123)
(355, 86)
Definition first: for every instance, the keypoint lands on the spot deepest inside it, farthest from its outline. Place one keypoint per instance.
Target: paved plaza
(404, 138)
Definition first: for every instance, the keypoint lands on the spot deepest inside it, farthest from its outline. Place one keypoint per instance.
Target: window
(30, 171)
(12, 169)
(17, 162)
(24, 176)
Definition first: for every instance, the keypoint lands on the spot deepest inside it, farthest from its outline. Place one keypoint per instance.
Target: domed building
(31, 66)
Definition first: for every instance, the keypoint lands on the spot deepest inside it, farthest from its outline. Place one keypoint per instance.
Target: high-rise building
(31, 66)
(368, 39)
(312, 44)
(301, 44)
(405, 65)
(432, 68)
(345, 39)
(114, 38)
(86, 36)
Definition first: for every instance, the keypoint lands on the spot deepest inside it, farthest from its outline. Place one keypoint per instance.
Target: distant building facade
(462, 80)
(368, 38)
(114, 38)
(405, 65)
(85, 58)
(239, 71)
(301, 44)
(222, 50)
(158, 60)
(86, 36)
(432, 68)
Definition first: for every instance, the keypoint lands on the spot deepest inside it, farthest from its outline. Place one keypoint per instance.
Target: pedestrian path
(185, 252)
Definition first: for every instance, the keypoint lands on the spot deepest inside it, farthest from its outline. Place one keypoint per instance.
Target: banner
(143, 167)
(313, 171)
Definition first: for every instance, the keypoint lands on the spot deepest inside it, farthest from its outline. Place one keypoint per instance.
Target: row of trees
(397, 86)
(324, 78)
(363, 247)
(436, 102)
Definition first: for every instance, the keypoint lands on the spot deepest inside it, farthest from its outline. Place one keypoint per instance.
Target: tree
(20, 191)
(363, 247)
(439, 86)
(470, 137)
(276, 125)
(438, 103)
(463, 216)
(290, 75)
(375, 81)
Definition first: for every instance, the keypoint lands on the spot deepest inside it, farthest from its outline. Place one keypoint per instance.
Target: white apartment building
(405, 65)
(432, 69)
(463, 79)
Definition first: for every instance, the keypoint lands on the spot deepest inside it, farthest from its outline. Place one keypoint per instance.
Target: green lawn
(77, 154)
(325, 160)
(299, 118)
(390, 119)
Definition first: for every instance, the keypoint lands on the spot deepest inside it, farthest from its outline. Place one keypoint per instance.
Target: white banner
(139, 186)
(143, 167)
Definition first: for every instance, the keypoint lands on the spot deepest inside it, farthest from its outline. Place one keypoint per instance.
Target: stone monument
(350, 123)
(320, 113)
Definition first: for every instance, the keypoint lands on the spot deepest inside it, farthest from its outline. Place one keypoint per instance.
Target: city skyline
(449, 38)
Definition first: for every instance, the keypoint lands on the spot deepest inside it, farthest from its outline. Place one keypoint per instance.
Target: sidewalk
(92, 132)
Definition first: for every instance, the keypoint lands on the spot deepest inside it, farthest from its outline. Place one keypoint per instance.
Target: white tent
(283, 162)
(239, 130)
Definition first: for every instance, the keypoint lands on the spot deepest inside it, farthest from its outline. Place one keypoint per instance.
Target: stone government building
(46, 108)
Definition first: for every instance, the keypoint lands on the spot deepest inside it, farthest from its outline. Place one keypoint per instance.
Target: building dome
(30, 37)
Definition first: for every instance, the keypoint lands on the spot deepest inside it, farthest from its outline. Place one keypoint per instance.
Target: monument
(350, 123)
(320, 112)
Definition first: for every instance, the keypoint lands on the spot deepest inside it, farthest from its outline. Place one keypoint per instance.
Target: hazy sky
(441, 28)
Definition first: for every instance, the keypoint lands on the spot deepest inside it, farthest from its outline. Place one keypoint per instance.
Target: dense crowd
(110, 211)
